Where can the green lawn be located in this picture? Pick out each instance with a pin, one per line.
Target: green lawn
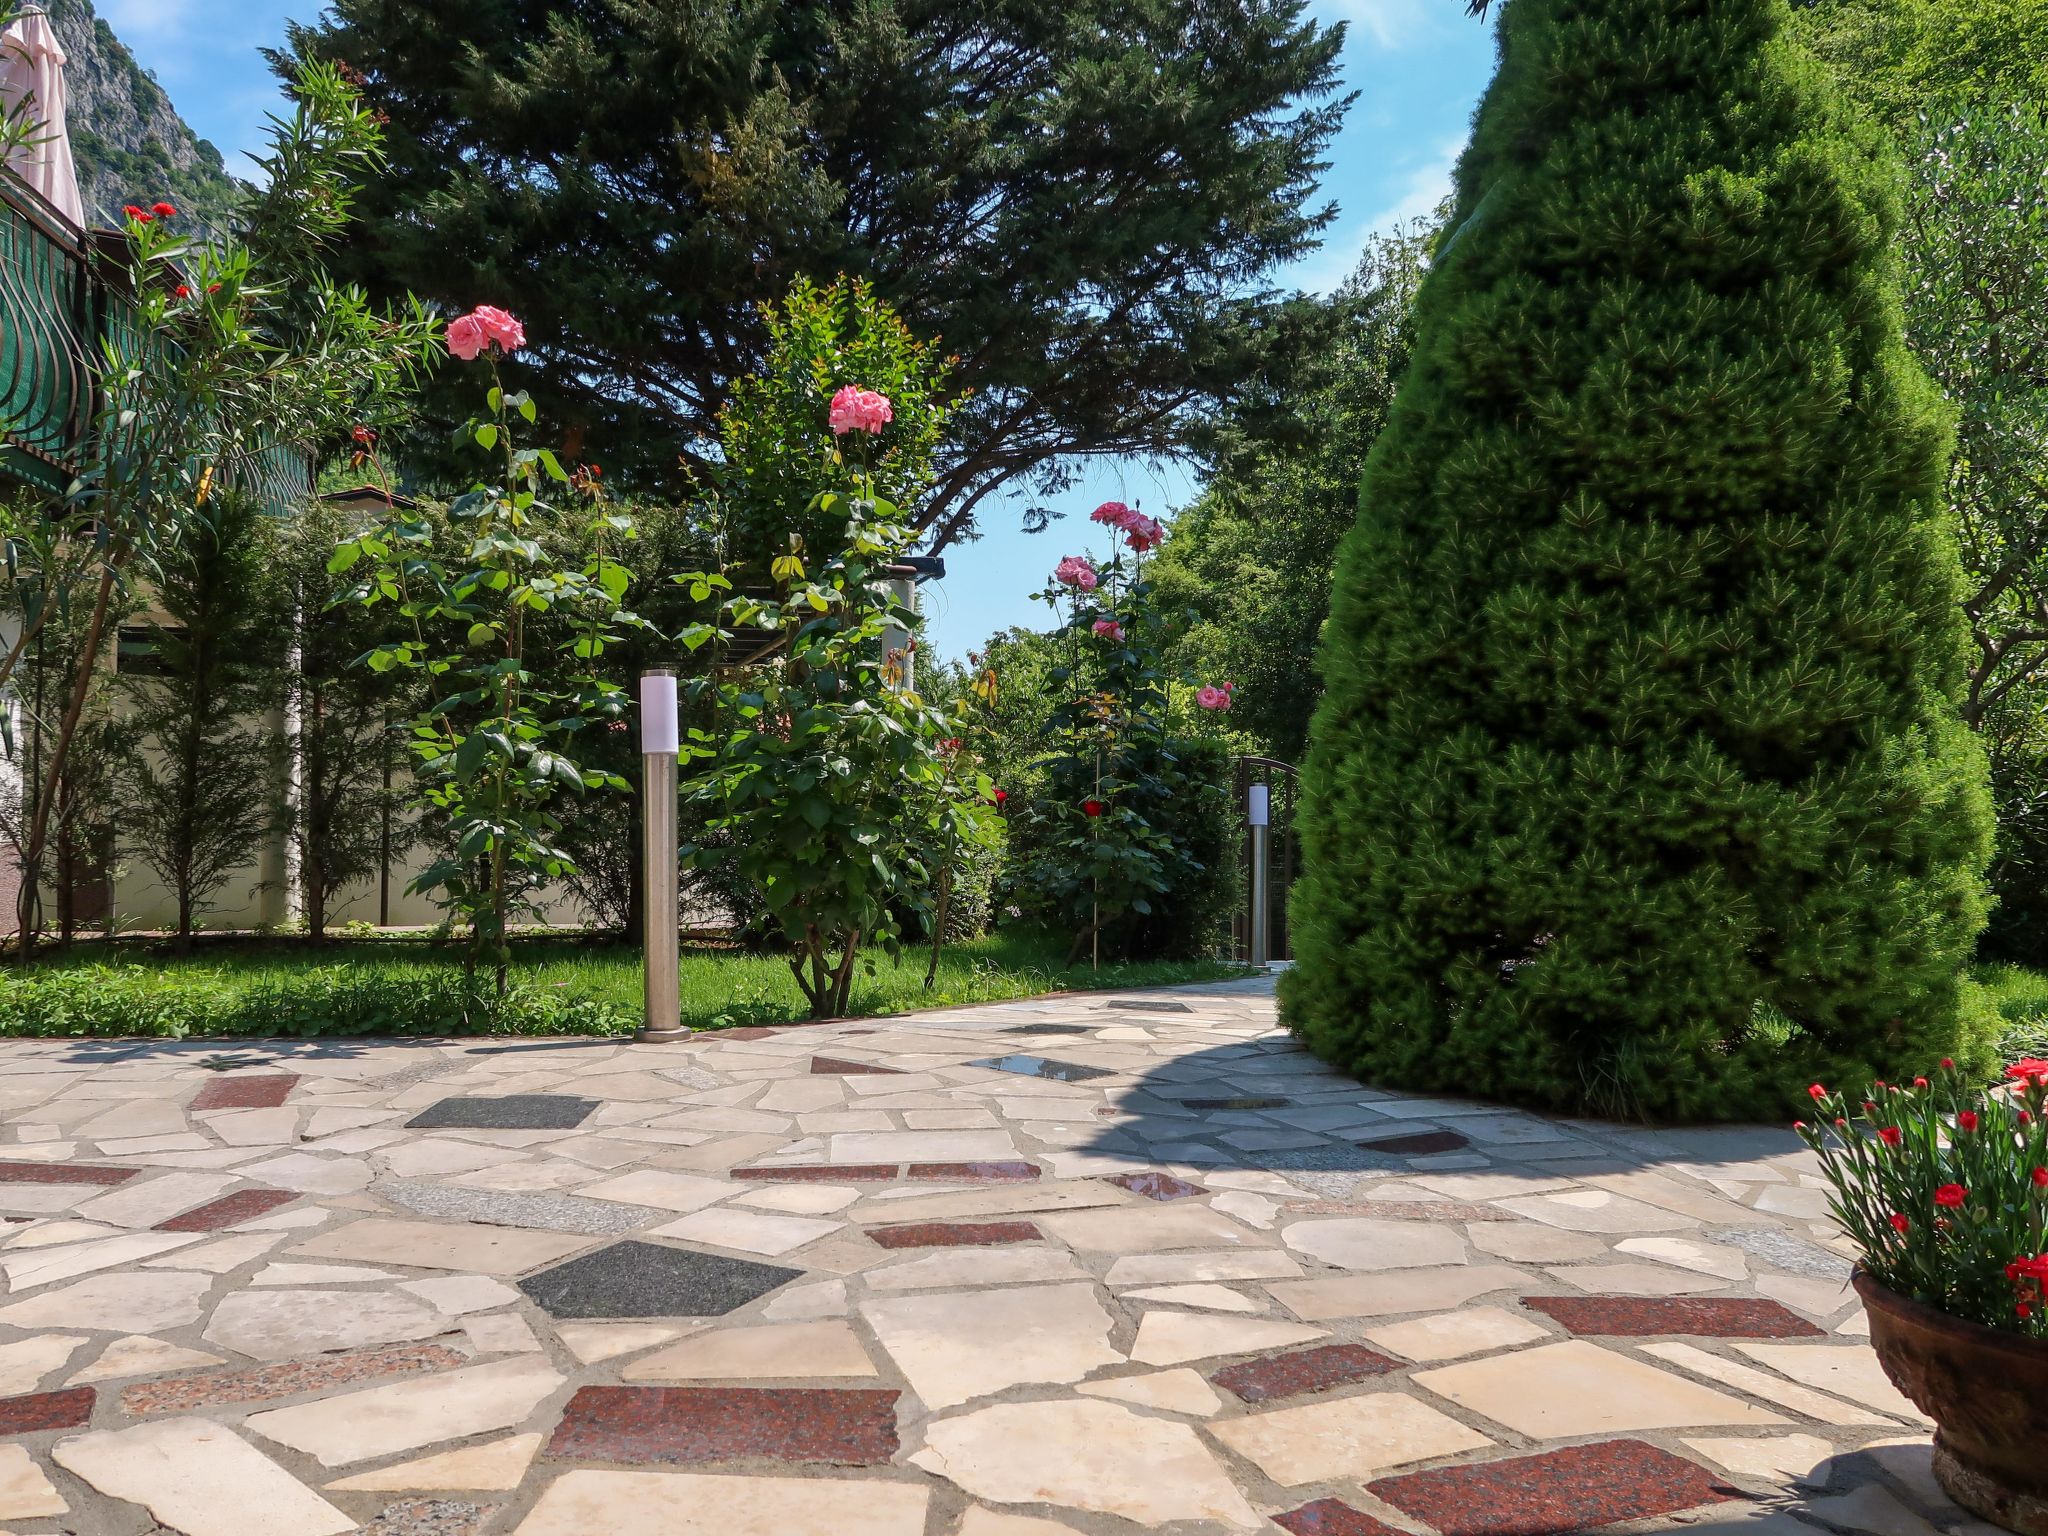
(414, 986)
(2021, 996)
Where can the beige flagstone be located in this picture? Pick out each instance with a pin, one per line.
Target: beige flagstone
(994, 1200)
(29, 1268)
(954, 1348)
(496, 1464)
(25, 1494)
(1090, 1456)
(950, 1267)
(1360, 1242)
(760, 1232)
(1801, 1459)
(1411, 1290)
(135, 1302)
(777, 1351)
(25, 1362)
(663, 1190)
(462, 1245)
(457, 1295)
(1578, 1388)
(1176, 1268)
(1177, 1391)
(1763, 1384)
(592, 1342)
(140, 1355)
(201, 1479)
(1213, 1298)
(993, 1522)
(282, 1324)
(222, 1257)
(1148, 1229)
(585, 1503)
(1637, 1279)
(405, 1415)
(1597, 1210)
(1346, 1437)
(1847, 1370)
(1169, 1338)
(1453, 1335)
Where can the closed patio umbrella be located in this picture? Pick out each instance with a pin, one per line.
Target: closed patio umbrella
(32, 71)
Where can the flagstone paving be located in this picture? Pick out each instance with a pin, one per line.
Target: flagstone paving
(908, 1277)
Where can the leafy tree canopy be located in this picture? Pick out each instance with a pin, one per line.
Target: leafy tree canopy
(1081, 199)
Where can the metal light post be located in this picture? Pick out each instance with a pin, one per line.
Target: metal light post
(1259, 812)
(660, 742)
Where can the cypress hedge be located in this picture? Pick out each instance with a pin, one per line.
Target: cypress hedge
(1638, 786)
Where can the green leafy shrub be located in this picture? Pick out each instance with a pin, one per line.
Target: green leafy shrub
(1640, 722)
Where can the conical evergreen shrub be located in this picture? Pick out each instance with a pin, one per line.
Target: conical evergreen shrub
(1638, 786)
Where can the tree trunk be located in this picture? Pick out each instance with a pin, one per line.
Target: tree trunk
(74, 707)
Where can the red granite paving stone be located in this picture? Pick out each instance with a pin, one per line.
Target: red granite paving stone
(262, 1092)
(822, 1173)
(1556, 1492)
(45, 1410)
(287, 1378)
(833, 1066)
(1701, 1316)
(955, 1234)
(974, 1173)
(680, 1425)
(229, 1210)
(1305, 1370)
(1155, 1186)
(63, 1173)
(1333, 1517)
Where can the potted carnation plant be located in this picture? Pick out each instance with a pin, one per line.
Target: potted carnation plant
(1943, 1185)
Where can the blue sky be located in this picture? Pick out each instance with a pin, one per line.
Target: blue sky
(1418, 66)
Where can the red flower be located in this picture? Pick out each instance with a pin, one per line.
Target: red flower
(213, 287)
(1967, 1120)
(367, 436)
(1092, 807)
(1919, 1082)
(1951, 1196)
(1817, 1092)
(1890, 1136)
(1899, 1223)
(134, 212)
(2028, 1069)
(163, 210)
(1002, 797)
(2041, 1178)
(1947, 1064)
(181, 292)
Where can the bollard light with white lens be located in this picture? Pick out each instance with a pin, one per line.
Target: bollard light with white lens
(1259, 814)
(660, 743)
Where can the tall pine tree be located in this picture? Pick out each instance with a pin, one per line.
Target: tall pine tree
(1638, 785)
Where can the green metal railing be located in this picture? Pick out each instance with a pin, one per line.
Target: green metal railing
(63, 295)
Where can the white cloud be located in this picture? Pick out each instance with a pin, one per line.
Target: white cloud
(1389, 24)
(131, 19)
(1425, 186)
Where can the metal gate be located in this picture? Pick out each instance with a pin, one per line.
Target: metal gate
(1264, 788)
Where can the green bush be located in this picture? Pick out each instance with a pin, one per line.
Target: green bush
(340, 1000)
(1638, 785)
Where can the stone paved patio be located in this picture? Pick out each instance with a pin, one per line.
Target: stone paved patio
(1101, 1264)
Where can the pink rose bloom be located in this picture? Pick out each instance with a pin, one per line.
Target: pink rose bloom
(860, 410)
(500, 327)
(467, 337)
(1212, 698)
(1145, 533)
(1112, 513)
(1075, 571)
(1109, 628)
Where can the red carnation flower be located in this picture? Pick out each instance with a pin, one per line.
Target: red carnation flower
(1951, 1196)
(1899, 1223)
(1919, 1082)
(163, 210)
(181, 292)
(2041, 1178)
(1816, 1091)
(1947, 1064)
(1967, 1120)
(133, 212)
(1890, 1136)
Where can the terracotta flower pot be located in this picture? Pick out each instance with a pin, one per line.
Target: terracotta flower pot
(1987, 1393)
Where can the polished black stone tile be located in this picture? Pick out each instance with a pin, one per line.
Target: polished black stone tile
(1418, 1143)
(1047, 1029)
(634, 1279)
(1140, 1005)
(1039, 1066)
(513, 1112)
(1235, 1103)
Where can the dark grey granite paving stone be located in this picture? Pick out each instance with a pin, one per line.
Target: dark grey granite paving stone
(512, 1112)
(1139, 1005)
(509, 1208)
(1039, 1066)
(1781, 1250)
(1235, 1103)
(1047, 1029)
(1418, 1143)
(633, 1279)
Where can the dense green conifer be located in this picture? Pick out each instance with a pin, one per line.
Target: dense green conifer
(1638, 785)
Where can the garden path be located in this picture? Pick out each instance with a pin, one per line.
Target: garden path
(1101, 1264)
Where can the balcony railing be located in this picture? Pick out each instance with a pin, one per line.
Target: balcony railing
(63, 293)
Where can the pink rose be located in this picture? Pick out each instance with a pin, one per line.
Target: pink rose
(1212, 698)
(1145, 533)
(1075, 571)
(1112, 513)
(500, 327)
(860, 410)
(467, 337)
(1110, 629)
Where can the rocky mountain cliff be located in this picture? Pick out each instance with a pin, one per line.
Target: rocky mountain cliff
(130, 143)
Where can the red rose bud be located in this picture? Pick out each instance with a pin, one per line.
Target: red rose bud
(1817, 1092)
(1092, 807)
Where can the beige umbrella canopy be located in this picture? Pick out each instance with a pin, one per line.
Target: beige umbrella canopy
(32, 77)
